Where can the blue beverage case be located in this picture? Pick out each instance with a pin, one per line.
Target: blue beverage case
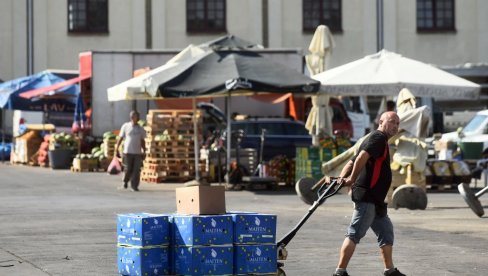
(192, 230)
(135, 261)
(143, 229)
(204, 260)
(255, 259)
(254, 228)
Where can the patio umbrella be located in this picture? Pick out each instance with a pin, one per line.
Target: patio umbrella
(320, 117)
(220, 72)
(386, 73)
(223, 69)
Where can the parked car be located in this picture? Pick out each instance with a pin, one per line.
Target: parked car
(340, 120)
(476, 130)
(283, 135)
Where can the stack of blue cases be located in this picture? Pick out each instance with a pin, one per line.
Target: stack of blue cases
(143, 244)
(254, 244)
(202, 244)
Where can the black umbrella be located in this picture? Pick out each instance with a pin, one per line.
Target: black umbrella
(218, 72)
(230, 42)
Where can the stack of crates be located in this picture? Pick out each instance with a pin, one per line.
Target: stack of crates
(309, 161)
(108, 146)
(143, 244)
(254, 244)
(202, 245)
(169, 145)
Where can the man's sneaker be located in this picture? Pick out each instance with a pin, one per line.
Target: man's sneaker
(342, 273)
(395, 272)
(122, 187)
(134, 189)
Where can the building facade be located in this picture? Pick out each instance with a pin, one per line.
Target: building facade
(50, 34)
(441, 32)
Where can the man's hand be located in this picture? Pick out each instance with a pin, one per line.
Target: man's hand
(345, 181)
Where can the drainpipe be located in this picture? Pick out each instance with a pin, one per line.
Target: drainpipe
(379, 25)
(265, 23)
(30, 37)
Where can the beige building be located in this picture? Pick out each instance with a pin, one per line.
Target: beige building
(441, 32)
(60, 29)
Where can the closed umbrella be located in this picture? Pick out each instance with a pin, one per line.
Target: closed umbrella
(405, 101)
(320, 118)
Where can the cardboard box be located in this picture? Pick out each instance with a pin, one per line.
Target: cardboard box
(204, 260)
(444, 145)
(142, 261)
(143, 229)
(254, 228)
(200, 200)
(202, 230)
(255, 259)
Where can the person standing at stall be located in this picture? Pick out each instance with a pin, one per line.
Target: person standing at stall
(134, 151)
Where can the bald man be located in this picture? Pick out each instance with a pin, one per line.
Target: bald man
(369, 176)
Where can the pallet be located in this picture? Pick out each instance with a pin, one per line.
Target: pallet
(74, 169)
(172, 143)
(169, 161)
(169, 167)
(171, 155)
(177, 174)
(172, 132)
(171, 150)
(166, 179)
(169, 112)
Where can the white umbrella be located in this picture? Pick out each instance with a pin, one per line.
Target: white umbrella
(145, 86)
(386, 73)
(320, 117)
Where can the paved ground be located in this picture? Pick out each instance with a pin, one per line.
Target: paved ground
(55, 222)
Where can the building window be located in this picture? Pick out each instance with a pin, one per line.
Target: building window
(88, 16)
(322, 12)
(435, 15)
(205, 16)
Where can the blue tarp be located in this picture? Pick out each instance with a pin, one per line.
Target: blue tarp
(62, 100)
(5, 149)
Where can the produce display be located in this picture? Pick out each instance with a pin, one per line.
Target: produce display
(309, 160)
(63, 140)
(43, 157)
(108, 146)
(282, 168)
(99, 158)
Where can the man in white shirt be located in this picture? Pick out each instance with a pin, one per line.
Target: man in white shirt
(134, 151)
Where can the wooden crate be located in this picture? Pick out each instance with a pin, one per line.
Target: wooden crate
(84, 165)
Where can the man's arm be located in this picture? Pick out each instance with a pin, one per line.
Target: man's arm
(143, 145)
(119, 141)
(117, 145)
(358, 165)
(346, 171)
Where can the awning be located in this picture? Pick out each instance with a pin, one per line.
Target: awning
(41, 91)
